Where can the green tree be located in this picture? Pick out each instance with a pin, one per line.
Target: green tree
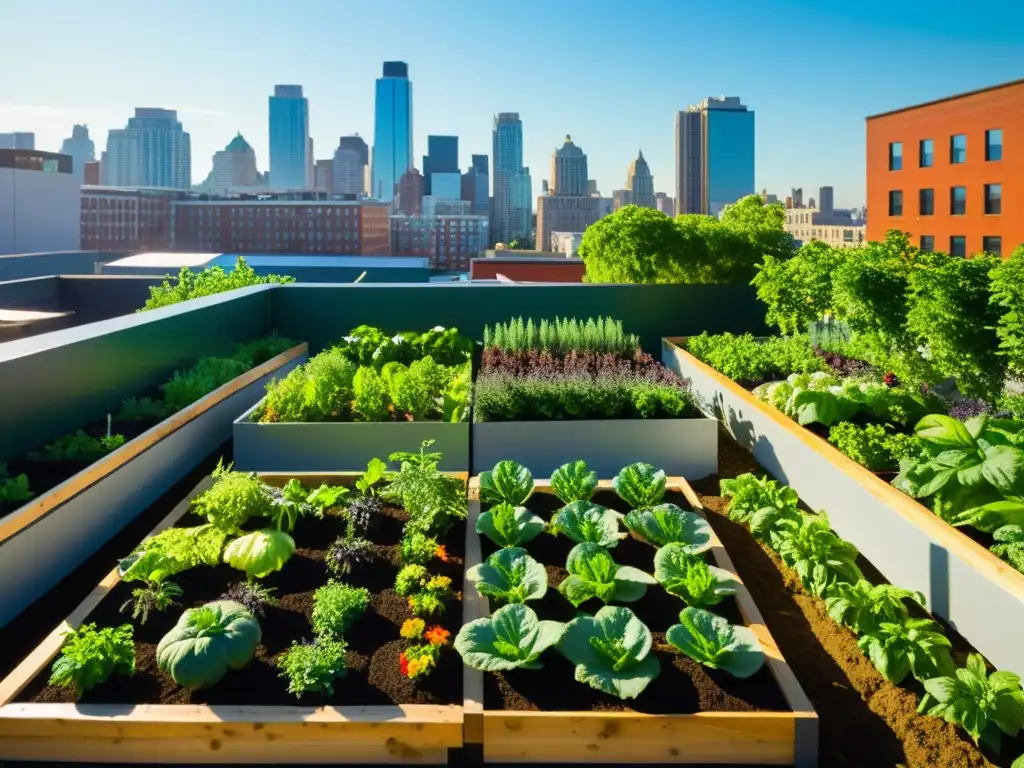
(798, 291)
(193, 285)
(1008, 295)
(633, 245)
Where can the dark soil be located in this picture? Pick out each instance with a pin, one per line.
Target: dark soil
(44, 475)
(864, 720)
(374, 644)
(683, 687)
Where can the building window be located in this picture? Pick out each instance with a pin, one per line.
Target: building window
(927, 243)
(926, 202)
(958, 201)
(895, 202)
(993, 245)
(958, 149)
(994, 144)
(895, 156)
(993, 198)
(927, 153)
(958, 246)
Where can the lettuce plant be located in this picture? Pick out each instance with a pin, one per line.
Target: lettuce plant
(973, 470)
(172, 551)
(584, 521)
(593, 573)
(511, 576)
(773, 524)
(260, 553)
(863, 607)
(714, 642)
(910, 646)
(313, 667)
(986, 706)
(640, 485)
(509, 526)
(1009, 545)
(820, 558)
(611, 651)
(688, 577)
(288, 504)
(668, 524)
(749, 493)
(573, 482)
(89, 656)
(234, 498)
(509, 482)
(512, 638)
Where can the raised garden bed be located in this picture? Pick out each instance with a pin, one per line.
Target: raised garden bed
(963, 582)
(374, 714)
(584, 388)
(84, 504)
(688, 714)
(368, 396)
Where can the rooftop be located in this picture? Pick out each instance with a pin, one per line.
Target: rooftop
(954, 97)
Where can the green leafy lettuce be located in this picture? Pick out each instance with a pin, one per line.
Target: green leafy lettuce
(260, 553)
(640, 485)
(509, 526)
(714, 642)
(863, 607)
(688, 577)
(749, 493)
(511, 576)
(584, 521)
(910, 646)
(511, 638)
(820, 558)
(593, 573)
(574, 482)
(611, 651)
(668, 524)
(509, 482)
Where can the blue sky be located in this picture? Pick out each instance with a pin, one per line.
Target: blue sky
(610, 73)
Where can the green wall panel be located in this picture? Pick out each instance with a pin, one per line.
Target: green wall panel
(321, 314)
(58, 382)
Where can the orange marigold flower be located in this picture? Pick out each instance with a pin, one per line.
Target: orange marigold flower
(441, 553)
(413, 668)
(437, 635)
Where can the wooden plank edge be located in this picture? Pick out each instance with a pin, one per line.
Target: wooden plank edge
(474, 606)
(44, 653)
(957, 543)
(29, 513)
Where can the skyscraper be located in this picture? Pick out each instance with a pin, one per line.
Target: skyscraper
(81, 149)
(797, 193)
(640, 183)
(513, 209)
(714, 155)
(442, 157)
(569, 170)
(349, 166)
(476, 186)
(392, 130)
(234, 168)
(153, 151)
(291, 159)
(18, 140)
(569, 207)
(825, 200)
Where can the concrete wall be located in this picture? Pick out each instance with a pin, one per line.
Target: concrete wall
(38, 211)
(21, 265)
(100, 297)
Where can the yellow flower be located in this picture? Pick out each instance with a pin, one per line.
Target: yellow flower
(412, 629)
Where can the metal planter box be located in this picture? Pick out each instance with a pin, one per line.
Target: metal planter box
(977, 593)
(44, 540)
(684, 447)
(342, 446)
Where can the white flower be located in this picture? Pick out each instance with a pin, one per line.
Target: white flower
(438, 328)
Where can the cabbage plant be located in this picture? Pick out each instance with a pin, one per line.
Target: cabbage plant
(509, 526)
(640, 485)
(593, 573)
(668, 524)
(511, 638)
(260, 553)
(511, 576)
(509, 482)
(207, 642)
(574, 482)
(585, 521)
(688, 577)
(714, 642)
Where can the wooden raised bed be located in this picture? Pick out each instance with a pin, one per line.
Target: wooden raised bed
(49, 536)
(342, 446)
(195, 733)
(977, 593)
(686, 447)
(757, 738)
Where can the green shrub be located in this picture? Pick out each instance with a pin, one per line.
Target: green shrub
(188, 386)
(319, 390)
(194, 285)
(798, 291)
(749, 359)
(872, 445)
(336, 606)
(1008, 295)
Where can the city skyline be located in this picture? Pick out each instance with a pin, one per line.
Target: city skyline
(807, 83)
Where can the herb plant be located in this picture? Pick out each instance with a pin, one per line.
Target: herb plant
(1007, 284)
(749, 493)
(433, 500)
(909, 646)
(862, 606)
(611, 651)
(13, 490)
(752, 360)
(668, 524)
(417, 547)
(714, 642)
(593, 573)
(1009, 545)
(193, 285)
(252, 595)
(562, 335)
(585, 521)
(172, 551)
(510, 575)
(689, 578)
(326, 497)
(187, 386)
(511, 638)
(431, 596)
(89, 656)
(410, 579)
(288, 504)
(314, 667)
(234, 498)
(872, 445)
(820, 558)
(347, 555)
(984, 705)
(153, 596)
(336, 606)
(574, 482)
(78, 446)
(508, 483)
(260, 553)
(509, 526)
(207, 642)
(640, 485)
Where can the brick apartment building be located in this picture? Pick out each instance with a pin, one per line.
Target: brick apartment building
(950, 172)
(116, 219)
(449, 241)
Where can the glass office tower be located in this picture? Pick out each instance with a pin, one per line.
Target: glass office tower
(392, 133)
(291, 164)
